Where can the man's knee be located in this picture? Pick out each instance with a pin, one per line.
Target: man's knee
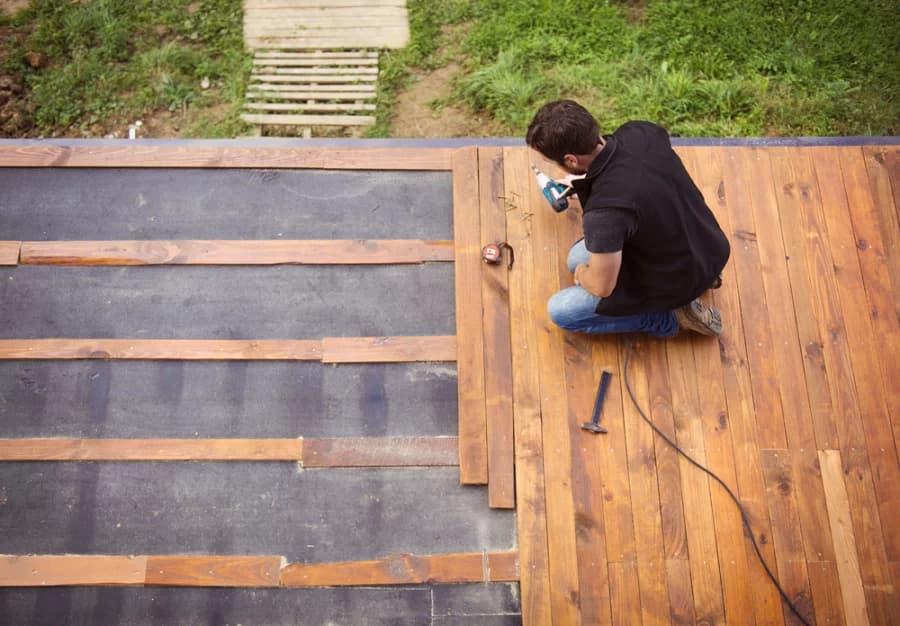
(559, 311)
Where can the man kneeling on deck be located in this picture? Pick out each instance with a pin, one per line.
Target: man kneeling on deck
(651, 246)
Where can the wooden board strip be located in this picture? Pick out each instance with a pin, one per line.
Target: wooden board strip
(380, 452)
(316, 72)
(309, 120)
(318, 107)
(370, 38)
(64, 570)
(30, 154)
(235, 252)
(163, 349)
(320, 79)
(213, 571)
(287, 92)
(151, 449)
(321, 4)
(9, 252)
(388, 349)
(473, 462)
(363, 90)
(495, 322)
(877, 161)
(531, 508)
(317, 54)
(503, 566)
(401, 569)
(260, 61)
(845, 544)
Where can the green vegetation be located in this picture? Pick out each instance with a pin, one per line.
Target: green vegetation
(108, 59)
(700, 68)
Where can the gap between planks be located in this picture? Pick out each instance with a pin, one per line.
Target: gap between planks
(342, 452)
(253, 570)
(327, 350)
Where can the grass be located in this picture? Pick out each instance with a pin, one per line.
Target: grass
(114, 60)
(700, 68)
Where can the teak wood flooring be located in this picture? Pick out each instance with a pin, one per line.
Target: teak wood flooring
(794, 407)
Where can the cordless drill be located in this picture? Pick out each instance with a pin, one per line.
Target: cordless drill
(556, 193)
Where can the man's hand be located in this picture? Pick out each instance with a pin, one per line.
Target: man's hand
(599, 275)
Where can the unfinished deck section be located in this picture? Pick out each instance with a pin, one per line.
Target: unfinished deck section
(316, 62)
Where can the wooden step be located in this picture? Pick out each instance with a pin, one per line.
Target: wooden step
(312, 79)
(318, 107)
(309, 120)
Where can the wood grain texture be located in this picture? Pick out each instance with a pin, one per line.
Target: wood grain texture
(151, 449)
(401, 569)
(388, 349)
(9, 252)
(470, 363)
(498, 374)
(185, 155)
(163, 349)
(232, 252)
(67, 570)
(878, 160)
(381, 452)
(503, 566)
(213, 571)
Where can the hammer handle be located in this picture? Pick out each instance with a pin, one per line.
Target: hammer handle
(601, 396)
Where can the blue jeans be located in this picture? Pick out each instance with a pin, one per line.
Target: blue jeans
(574, 309)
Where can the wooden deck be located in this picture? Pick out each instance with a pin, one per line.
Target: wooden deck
(795, 407)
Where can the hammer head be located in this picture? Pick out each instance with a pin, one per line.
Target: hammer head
(594, 428)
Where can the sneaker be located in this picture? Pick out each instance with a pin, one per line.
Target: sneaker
(699, 318)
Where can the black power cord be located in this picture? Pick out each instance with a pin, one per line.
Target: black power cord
(747, 528)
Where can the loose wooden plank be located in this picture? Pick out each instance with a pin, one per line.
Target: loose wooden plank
(473, 461)
(388, 349)
(531, 507)
(235, 252)
(163, 349)
(380, 452)
(309, 120)
(65, 570)
(401, 569)
(151, 449)
(9, 252)
(495, 323)
(845, 544)
(213, 571)
(543, 264)
(31, 154)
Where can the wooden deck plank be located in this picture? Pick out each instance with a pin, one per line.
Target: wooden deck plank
(151, 449)
(473, 462)
(883, 195)
(380, 452)
(163, 349)
(623, 583)
(495, 322)
(388, 349)
(368, 38)
(235, 252)
(275, 4)
(315, 108)
(181, 156)
(213, 571)
(65, 570)
(531, 521)
(308, 120)
(9, 252)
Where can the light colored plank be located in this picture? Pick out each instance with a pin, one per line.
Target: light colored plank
(381, 452)
(307, 96)
(29, 154)
(401, 569)
(163, 349)
(65, 570)
(323, 4)
(314, 72)
(369, 38)
(360, 90)
(531, 507)
(309, 120)
(323, 55)
(318, 79)
(495, 322)
(388, 349)
(151, 449)
(473, 449)
(845, 544)
(9, 252)
(279, 23)
(213, 571)
(318, 108)
(235, 252)
(319, 61)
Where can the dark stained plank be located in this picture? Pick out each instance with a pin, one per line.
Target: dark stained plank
(64, 570)
(878, 160)
(495, 322)
(180, 156)
(9, 252)
(163, 349)
(151, 449)
(681, 598)
(380, 452)
(388, 349)
(826, 589)
(401, 569)
(235, 252)
(473, 451)
(213, 571)
(531, 506)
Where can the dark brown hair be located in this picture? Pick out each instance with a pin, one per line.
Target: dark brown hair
(563, 127)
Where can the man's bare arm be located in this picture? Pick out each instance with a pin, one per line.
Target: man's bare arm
(600, 274)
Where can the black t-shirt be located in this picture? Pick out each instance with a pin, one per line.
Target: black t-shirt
(638, 198)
